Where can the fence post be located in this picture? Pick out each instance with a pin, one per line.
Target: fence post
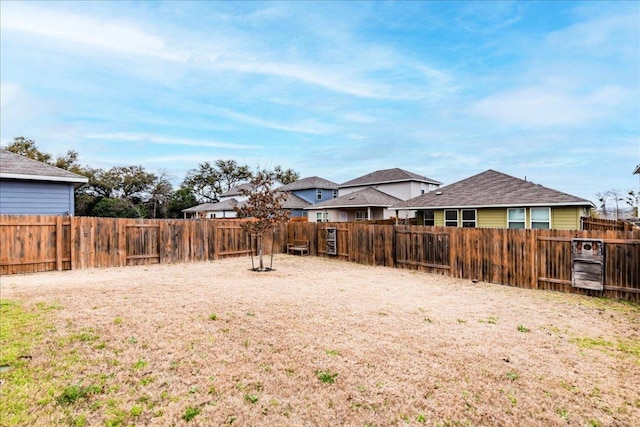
(59, 243)
(72, 242)
(122, 242)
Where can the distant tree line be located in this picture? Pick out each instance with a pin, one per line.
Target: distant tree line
(134, 192)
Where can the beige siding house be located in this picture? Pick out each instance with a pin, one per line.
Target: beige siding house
(493, 199)
(370, 196)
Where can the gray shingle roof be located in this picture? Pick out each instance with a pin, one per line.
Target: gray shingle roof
(362, 198)
(386, 176)
(492, 188)
(237, 190)
(295, 202)
(15, 166)
(311, 182)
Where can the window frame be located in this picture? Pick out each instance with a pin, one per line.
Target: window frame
(447, 222)
(523, 221)
(319, 194)
(532, 221)
(433, 219)
(364, 215)
(464, 221)
(335, 193)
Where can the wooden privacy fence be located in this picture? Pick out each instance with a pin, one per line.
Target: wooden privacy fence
(601, 224)
(534, 259)
(43, 243)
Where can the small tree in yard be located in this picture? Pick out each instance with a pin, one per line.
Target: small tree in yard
(264, 205)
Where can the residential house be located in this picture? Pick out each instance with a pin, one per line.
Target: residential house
(366, 204)
(493, 199)
(310, 190)
(30, 187)
(356, 201)
(223, 208)
(295, 205)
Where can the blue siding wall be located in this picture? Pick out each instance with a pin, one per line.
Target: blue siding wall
(310, 195)
(35, 198)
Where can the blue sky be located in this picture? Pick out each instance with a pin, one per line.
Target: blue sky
(546, 90)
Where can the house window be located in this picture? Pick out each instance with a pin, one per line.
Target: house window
(469, 218)
(516, 218)
(322, 216)
(429, 218)
(319, 194)
(450, 218)
(362, 215)
(335, 193)
(541, 218)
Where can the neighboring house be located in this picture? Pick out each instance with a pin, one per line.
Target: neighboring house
(366, 204)
(396, 184)
(233, 198)
(223, 209)
(295, 205)
(493, 199)
(30, 187)
(312, 189)
(236, 193)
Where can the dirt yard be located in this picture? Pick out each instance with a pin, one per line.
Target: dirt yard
(316, 342)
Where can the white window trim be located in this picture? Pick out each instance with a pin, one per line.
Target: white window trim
(364, 215)
(475, 216)
(457, 217)
(524, 220)
(531, 221)
(319, 194)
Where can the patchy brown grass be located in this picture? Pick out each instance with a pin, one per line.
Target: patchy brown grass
(316, 342)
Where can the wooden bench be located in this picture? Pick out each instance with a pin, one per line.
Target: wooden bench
(301, 246)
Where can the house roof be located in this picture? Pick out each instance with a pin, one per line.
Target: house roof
(311, 182)
(492, 189)
(637, 170)
(237, 190)
(387, 176)
(367, 197)
(294, 202)
(15, 166)
(225, 205)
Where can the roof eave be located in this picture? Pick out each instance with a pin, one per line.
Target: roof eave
(426, 181)
(79, 179)
(509, 205)
(320, 208)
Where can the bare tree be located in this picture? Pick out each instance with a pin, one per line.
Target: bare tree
(264, 206)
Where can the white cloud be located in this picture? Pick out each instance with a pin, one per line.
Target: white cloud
(160, 139)
(9, 92)
(541, 106)
(308, 126)
(601, 36)
(113, 35)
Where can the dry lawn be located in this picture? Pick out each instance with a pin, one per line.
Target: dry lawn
(317, 342)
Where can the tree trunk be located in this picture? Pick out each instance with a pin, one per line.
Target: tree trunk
(260, 251)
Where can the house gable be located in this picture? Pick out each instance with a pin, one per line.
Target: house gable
(30, 187)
